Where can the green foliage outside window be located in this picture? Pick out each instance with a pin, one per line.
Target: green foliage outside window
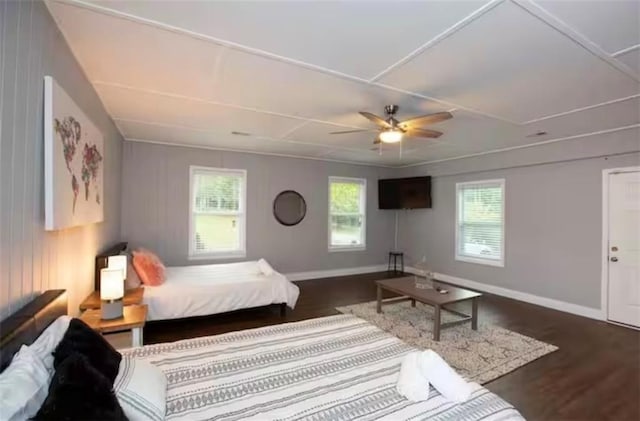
(218, 193)
(345, 197)
(346, 215)
(482, 205)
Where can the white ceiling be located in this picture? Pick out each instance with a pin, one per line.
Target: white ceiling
(288, 73)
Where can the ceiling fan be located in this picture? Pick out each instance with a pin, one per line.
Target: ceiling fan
(392, 130)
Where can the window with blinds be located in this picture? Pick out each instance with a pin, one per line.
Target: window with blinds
(218, 203)
(480, 222)
(347, 213)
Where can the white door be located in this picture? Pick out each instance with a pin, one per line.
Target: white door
(624, 248)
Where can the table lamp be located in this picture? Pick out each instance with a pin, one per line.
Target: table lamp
(118, 261)
(111, 293)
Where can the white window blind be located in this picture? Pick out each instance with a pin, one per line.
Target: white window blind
(347, 213)
(217, 223)
(480, 222)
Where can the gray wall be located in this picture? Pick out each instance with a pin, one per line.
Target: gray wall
(553, 196)
(32, 260)
(553, 215)
(155, 206)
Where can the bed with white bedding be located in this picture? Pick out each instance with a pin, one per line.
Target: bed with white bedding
(331, 368)
(200, 290)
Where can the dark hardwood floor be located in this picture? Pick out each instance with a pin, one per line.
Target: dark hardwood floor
(595, 375)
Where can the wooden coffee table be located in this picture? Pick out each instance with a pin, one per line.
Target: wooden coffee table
(406, 287)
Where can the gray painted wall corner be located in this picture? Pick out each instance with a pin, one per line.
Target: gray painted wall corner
(31, 259)
(553, 206)
(155, 206)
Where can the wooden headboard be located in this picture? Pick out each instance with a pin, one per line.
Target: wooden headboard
(102, 261)
(24, 326)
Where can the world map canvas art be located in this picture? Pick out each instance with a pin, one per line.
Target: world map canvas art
(73, 160)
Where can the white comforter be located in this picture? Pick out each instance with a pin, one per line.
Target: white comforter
(328, 369)
(210, 289)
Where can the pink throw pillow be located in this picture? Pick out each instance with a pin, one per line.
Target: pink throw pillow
(148, 267)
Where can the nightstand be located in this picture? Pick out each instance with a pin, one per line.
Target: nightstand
(133, 319)
(131, 297)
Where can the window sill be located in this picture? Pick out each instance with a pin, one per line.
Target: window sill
(347, 248)
(480, 261)
(221, 255)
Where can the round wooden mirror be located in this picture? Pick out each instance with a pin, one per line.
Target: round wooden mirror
(289, 208)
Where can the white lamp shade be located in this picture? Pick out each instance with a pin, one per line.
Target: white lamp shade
(111, 284)
(118, 262)
(391, 136)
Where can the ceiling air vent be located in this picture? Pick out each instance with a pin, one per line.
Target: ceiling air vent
(536, 134)
(241, 133)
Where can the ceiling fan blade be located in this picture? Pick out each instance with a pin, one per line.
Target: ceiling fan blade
(378, 120)
(351, 131)
(377, 141)
(432, 134)
(426, 119)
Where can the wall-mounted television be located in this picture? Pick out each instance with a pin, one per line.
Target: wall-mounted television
(404, 193)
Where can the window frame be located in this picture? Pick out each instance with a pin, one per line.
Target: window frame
(363, 207)
(241, 252)
(500, 182)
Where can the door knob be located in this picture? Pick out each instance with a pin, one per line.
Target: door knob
(614, 259)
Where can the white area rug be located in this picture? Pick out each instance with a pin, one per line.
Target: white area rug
(480, 356)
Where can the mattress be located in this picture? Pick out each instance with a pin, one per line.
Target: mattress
(331, 368)
(201, 290)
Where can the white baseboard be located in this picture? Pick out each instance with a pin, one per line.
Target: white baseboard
(315, 274)
(592, 313)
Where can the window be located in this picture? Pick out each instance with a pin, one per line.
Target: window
(218, 203)
(347, 213)
(480, 222)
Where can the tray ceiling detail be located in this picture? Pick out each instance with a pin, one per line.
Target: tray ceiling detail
(285, 74)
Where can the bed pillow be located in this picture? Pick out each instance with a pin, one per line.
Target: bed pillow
(48, 340)
(149, 267)
(80, 338)
(80, 392)
(141, 389)
(150, 254)
(133, 280)
(265, 268)
(23, 386)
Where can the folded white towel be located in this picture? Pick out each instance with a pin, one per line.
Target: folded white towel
(444, 378)
(411, 383)
(419, 369)
(265, 267)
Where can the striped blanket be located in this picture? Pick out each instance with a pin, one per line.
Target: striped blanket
(331, 368)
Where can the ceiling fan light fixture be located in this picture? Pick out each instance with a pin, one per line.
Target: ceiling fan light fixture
(391, 136)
